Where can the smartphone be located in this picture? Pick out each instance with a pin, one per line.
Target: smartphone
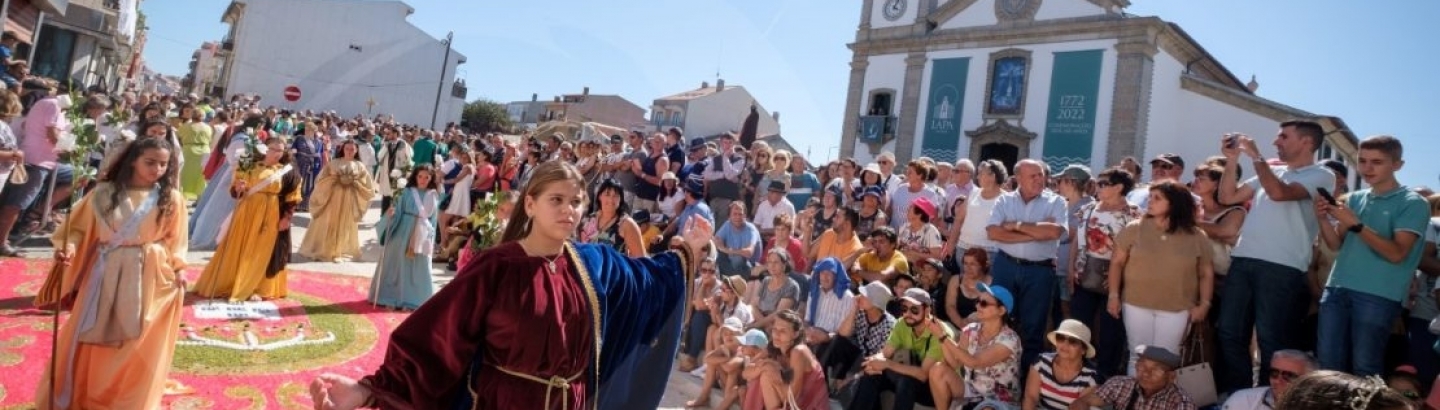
(1324, 193)
(1230, 140)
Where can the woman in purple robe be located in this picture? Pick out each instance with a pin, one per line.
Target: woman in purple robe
(522, 325)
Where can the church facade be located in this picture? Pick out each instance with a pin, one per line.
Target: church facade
(1067, 81)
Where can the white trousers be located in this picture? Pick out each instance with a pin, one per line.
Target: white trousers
(1153, 327)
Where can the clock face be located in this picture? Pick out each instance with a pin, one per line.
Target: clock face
(894, 9)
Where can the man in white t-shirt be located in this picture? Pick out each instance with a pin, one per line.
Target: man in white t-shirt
(774, 205)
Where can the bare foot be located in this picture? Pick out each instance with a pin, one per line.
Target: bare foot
(702, 401)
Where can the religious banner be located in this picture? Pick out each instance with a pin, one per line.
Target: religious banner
(1070, 124)
(943, 107)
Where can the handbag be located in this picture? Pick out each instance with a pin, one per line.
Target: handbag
(1196, 377)
(1220, 251)
(1095, 275)
(18, 176)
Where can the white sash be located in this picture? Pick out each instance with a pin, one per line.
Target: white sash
(273, 178)
(422, 238)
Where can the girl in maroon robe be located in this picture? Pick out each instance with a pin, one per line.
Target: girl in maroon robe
(521, 326)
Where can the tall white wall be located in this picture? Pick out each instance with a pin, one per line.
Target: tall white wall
(398, 64)
(723, 112)
(1066, 9)
(1191, 124)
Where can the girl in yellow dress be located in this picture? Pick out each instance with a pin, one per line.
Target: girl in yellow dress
(239, 268)
(122, 250)
(341, 196)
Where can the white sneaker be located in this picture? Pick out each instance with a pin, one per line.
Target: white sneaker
(698, 372)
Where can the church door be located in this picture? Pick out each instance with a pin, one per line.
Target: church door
(1008, 154)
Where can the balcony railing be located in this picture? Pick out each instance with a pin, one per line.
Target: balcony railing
(875, 128)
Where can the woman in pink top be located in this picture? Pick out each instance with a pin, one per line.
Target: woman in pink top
(798, 382)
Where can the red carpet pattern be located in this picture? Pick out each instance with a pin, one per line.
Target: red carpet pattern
(256, 356)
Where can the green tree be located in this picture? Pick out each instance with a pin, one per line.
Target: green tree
(485, 116)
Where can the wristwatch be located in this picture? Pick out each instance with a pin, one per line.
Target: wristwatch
(1357, 227)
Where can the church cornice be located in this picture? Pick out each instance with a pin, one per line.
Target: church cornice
(1142, 34)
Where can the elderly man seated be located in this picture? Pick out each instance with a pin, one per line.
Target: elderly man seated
(1152, 388)
(1285, 367)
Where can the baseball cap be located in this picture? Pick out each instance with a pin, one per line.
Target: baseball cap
(733, 323)
(1159, 355)
(754, 337)
(1076, 172)
(1169, 158)
(878, 293)
(917, 296)
(1000, 293)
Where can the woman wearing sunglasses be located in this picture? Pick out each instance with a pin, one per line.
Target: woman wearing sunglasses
(989, 353)
(1060, 377)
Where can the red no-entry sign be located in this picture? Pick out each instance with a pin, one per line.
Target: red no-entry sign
(292, 93)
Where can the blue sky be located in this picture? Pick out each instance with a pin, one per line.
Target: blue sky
(1361, 61)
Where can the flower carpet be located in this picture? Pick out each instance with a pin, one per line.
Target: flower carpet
(252, 355)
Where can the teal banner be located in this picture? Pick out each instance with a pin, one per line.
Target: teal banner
(943, 108)
(1070, 124)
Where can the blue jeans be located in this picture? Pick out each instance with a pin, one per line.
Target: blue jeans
(1267, 297)
(1034, 290)
(1354, 329)
(695, 333)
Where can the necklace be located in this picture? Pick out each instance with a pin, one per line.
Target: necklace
(549, 262)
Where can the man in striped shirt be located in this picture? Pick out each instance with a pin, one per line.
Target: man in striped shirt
(830, 301)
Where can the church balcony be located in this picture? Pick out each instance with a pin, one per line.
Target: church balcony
(876, 128)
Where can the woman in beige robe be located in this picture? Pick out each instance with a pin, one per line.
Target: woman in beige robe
(123, 276)
(341, 196)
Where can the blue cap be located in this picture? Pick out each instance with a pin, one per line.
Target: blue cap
(754, 337)
(1000, 293)
(874, 190)
(695, 184)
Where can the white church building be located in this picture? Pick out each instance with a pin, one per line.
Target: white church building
(1067, 81)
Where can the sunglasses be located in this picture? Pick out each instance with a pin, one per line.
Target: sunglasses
(1066, 339)
(707, 270)
(914, 310)
(1162, 165)
(1283, 375)
(985, 303)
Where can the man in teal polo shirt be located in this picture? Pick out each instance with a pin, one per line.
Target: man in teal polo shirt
(1378, 232)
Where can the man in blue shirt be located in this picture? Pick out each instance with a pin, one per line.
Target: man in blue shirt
(1378, 232)
(694, 205)
(738, 243)
(1027, 226)
(8, 41)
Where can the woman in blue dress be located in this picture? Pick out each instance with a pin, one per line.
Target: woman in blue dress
(407, 231)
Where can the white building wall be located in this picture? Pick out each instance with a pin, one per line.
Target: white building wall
(1191, 124)
(884, 71)
(979, 14)
(1037, 94)
(1066, 9)
(398, 64)
(723, 112)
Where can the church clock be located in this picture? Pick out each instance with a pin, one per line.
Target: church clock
(894, 9)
